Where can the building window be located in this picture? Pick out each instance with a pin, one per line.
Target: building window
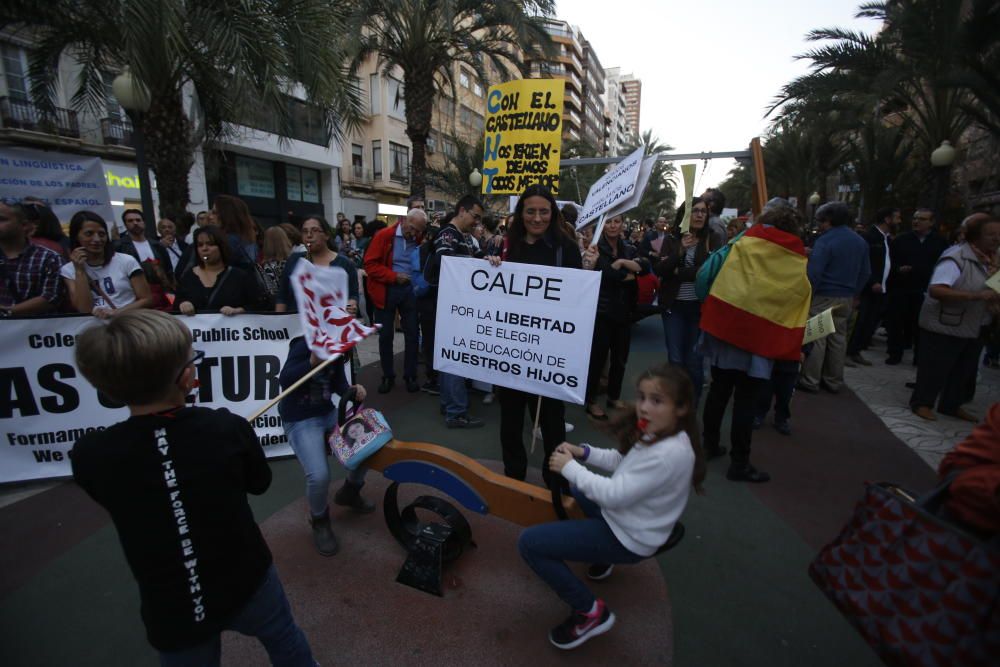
(477, 89)
(463, 78)
(357, 160)
(470, 118)
(377, 159)
(399, 165)
(254, 178)
(302, 184)
(375, 94)
(448, 148)
(396, 102)
(15, 67)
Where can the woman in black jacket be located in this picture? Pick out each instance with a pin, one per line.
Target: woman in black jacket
(616, 260)
(681, 255)
(535, 237)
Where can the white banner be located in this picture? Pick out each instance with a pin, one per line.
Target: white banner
(612, 188)
(46, 404)
(67, 183)
(521, 326)
(641, 183)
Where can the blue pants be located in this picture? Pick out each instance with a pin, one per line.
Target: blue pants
(547, 547)
(454, 395)
(681, 330)
(309, 444)
(401, 298)
(266, 616)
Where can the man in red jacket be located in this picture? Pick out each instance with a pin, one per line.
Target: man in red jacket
(388, 263)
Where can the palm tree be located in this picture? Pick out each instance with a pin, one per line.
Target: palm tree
(452, 176)
(203, 64)
(660, 193)
(427, 39)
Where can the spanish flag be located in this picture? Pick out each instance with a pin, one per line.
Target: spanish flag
(759, 301)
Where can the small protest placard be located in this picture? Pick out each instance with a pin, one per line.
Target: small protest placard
(523, 139)
(819, 326)
(994, 282)
(522, 326)
(611, 189)
(688, 174)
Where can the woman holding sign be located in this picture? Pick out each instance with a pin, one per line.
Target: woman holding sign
(681, 255)
(616, 302)
(534, 237)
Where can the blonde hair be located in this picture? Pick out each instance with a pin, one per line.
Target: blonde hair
(277, 245)
(136, 357)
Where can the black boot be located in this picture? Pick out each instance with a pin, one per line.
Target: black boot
(326, 541)
(349, 495)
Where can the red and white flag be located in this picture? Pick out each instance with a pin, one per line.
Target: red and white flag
(321, 294)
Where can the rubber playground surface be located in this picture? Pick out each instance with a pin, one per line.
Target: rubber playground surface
(735, 591)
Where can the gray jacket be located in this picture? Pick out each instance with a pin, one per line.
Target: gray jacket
(962, 319)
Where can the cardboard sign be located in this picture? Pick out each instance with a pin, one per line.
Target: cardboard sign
(521, 326)
(819, 326)
(641, 183)
(523, 137)
(611, 189)
(688, 172)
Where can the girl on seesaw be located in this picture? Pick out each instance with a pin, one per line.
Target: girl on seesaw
(629, 514)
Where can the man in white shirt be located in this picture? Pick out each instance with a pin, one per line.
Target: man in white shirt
(151, 255)
(872, 300)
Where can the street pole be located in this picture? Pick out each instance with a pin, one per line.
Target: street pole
(145, 191)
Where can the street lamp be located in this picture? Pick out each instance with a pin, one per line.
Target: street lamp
(475, 178)
(134, 98)
(941, 160)
(814, 200)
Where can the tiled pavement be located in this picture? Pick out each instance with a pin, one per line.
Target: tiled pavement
(883, 389)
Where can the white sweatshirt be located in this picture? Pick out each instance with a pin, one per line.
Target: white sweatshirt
(646, 493)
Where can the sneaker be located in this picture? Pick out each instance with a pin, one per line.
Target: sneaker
(859, 360)
(431, 387)
(580, 626)
(566, 425)
(599, 571)
(489, 398)
(464, 421)
(784, 428)
(411, 385)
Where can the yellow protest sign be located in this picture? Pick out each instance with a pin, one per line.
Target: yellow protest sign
(688, 172)
(523, 137)
(819, 326)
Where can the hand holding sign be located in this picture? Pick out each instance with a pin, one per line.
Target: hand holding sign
(819, 326)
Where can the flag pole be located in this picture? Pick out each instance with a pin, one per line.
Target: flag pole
(302, 380)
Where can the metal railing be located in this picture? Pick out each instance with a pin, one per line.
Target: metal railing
(116, 131)
(25, 115)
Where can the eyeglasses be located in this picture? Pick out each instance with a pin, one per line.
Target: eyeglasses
(193, 361)
(699, 211)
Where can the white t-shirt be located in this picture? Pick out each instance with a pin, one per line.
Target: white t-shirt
(144, 250)
(114, 279)
(946, 273)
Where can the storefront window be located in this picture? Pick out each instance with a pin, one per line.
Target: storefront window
(293, 178)
(254, 178)
(310, 186)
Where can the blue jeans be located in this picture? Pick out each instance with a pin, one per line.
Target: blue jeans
(309, 444)
(547, 547)
(266, 616)
(454, 395)
(681, 331)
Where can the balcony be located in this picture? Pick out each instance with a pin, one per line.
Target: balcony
(356, 175)
(306, 122)
(24, 115)
(116, 131)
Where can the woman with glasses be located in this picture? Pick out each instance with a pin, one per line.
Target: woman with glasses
(99, 280)
(213, 284)
(681, 255)
(318, 238)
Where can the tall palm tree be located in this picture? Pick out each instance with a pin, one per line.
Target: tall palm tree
(660, 193)
(203, 64)
(452, 176)
(427, 39)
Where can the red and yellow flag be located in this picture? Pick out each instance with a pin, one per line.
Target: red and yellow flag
(759, 302)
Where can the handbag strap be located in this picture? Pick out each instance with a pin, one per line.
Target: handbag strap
(932, 500)
(218, 283)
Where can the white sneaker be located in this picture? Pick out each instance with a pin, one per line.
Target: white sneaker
(569, 429)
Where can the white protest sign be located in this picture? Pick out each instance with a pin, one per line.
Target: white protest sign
(688, 173)
(67, 183)
(46, 404)
(641, 183)
(611, 188)
(819, 326)
(521, 326)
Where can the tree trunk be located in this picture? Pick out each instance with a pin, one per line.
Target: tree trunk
(419, 91)
(167, 131)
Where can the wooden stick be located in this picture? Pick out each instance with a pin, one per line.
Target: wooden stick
(534, 429)
(597, 231)
(302, 380)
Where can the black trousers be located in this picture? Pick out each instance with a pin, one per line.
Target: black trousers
(903, 315)
(744, 389)
(780, 387)
(870, 311)
(398, 298)
(947, 366)
(513, 405)
(426, 312)
(614, 338)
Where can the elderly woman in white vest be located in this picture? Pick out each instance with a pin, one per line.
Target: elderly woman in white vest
(958, 307)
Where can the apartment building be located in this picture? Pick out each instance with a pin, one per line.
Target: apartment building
(633, 100)
(618, 129)
(567, 64)
(593, 131)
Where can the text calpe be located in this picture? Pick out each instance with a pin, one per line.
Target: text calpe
(514, 285)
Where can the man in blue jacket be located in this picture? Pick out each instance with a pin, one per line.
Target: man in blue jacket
(838, 269)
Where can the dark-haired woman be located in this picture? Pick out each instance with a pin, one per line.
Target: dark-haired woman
(99, 280)
(535, 237)
(616, 302)
(681, 255)
(233, 216)
(46, 230)
(214, 284)
(318, 238)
